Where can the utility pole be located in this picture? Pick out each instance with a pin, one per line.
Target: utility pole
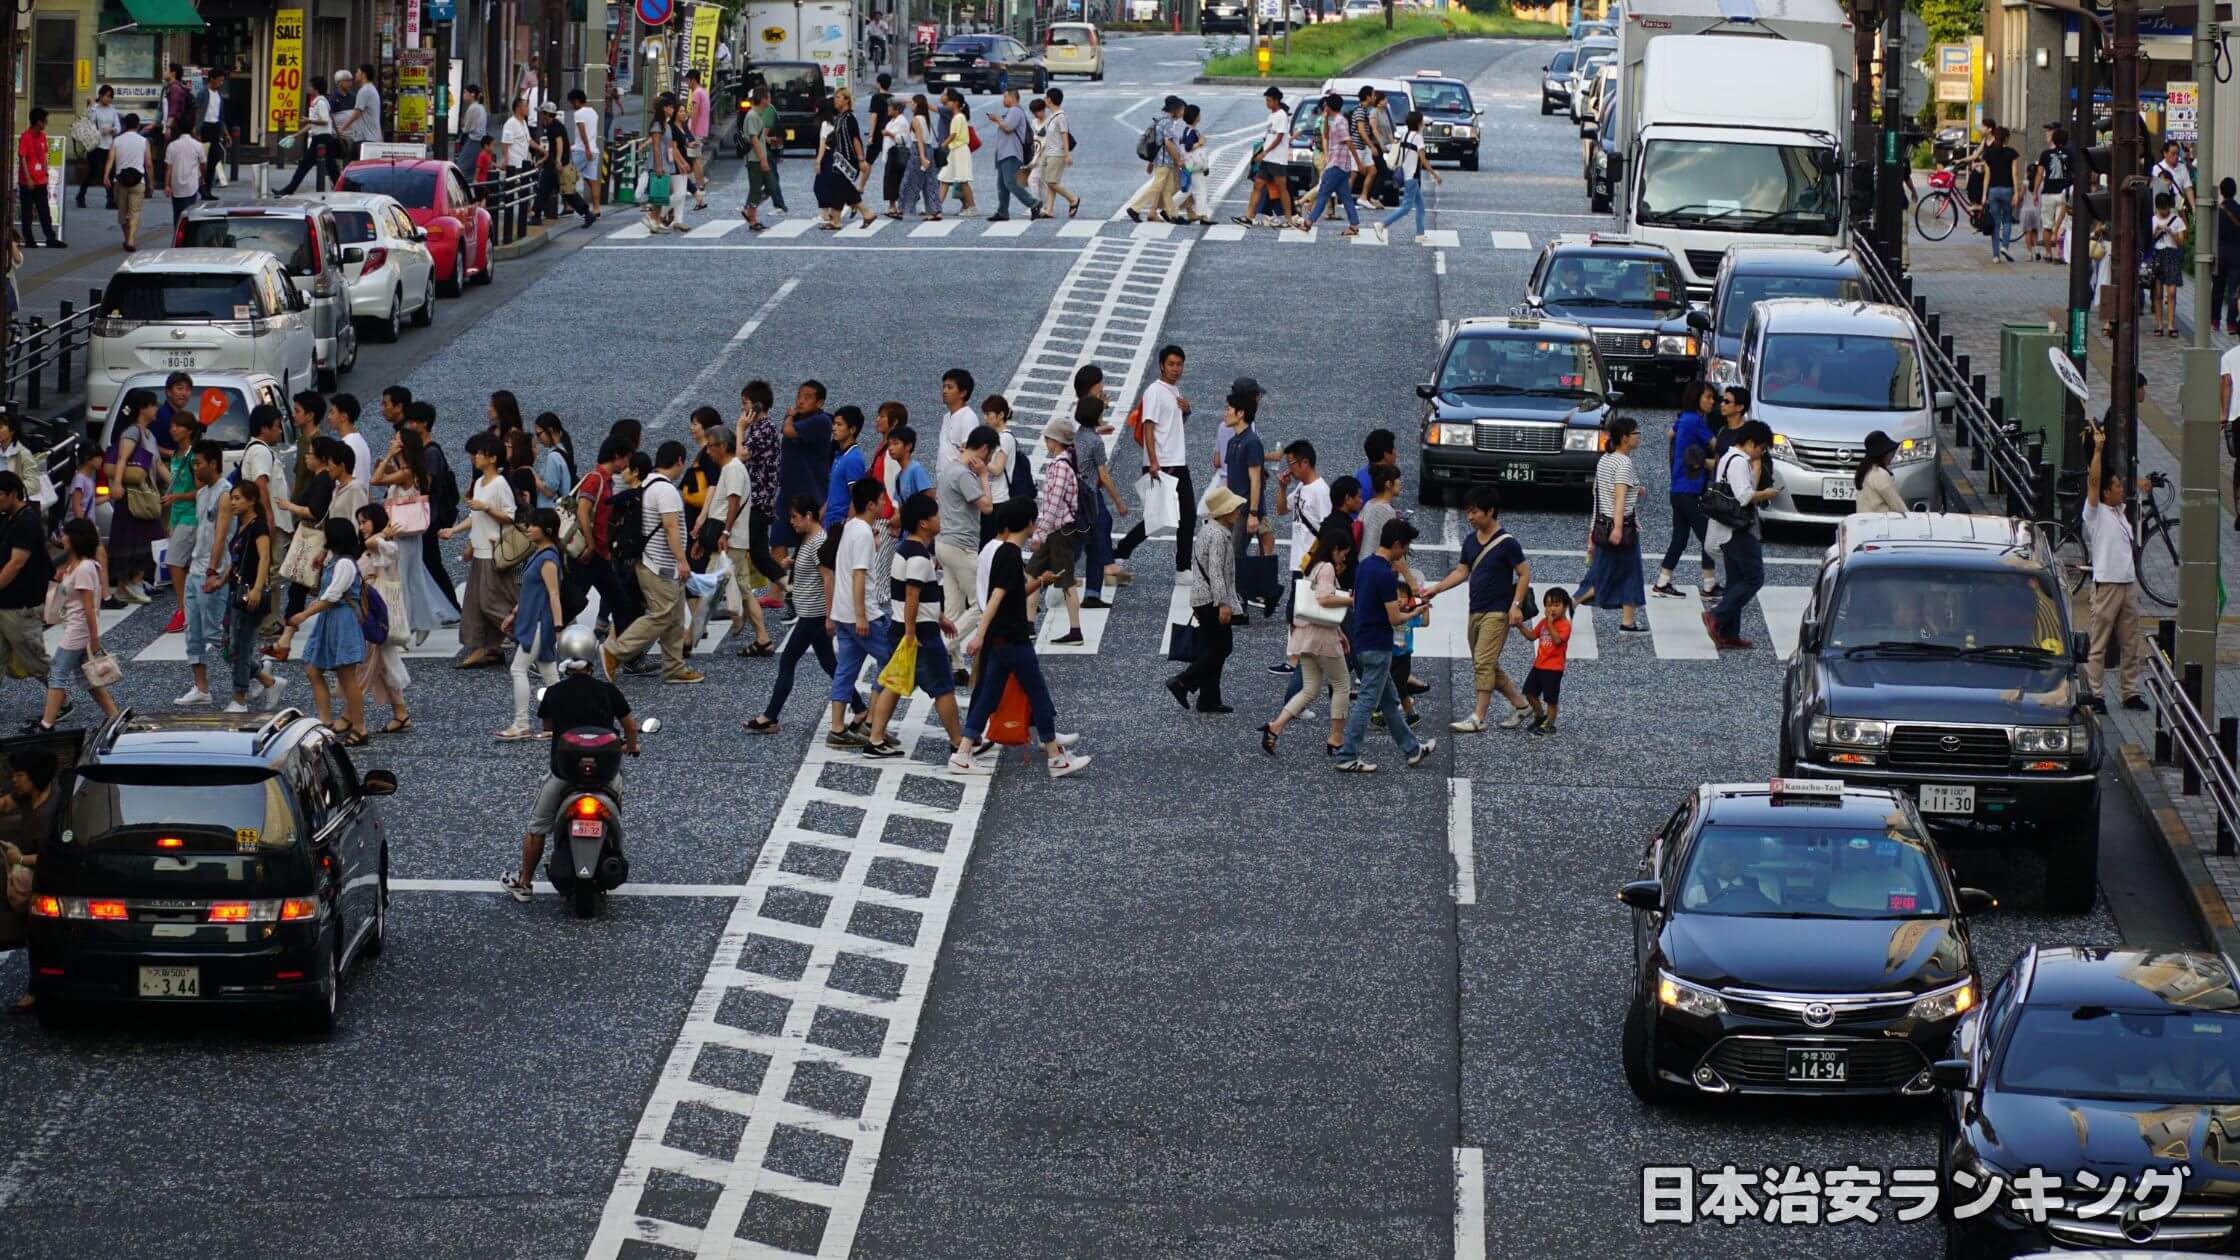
(2073, 455)
(1861, 170)
(1895, 170)
(10, 40)
(2200, 407)
(2125, 179)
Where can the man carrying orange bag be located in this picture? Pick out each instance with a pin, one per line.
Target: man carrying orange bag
(917, 659)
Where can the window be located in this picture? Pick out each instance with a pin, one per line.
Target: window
(54, 68)
(1858, 870)
(1747, 290)
(1518, 365)
(127, 57)
(1841, 372)
(285, 237)
(2168, 1057)
(1948, 610)
(355, 227)
(143, 296)
(1612, 280)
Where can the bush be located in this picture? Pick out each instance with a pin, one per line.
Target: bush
(1327, 48)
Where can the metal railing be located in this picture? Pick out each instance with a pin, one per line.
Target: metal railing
(2011, 460)
(36, 344)
(509, 197)
(2182, 736)
(623, 157)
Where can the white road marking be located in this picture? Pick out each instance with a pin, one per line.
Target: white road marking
(804, 987)
(1783, 607)
(1439, 338)
(1153, 231)
(1583, 644)
(1015, 227)
(1459, 842)
(1077, 229)
(1292, 236)
(1677, 627)
(1093, 622)
(938, 227)
(1439, 268)
(859, 229)
(1179, 612)
(110, 618)
(630, 232)
(690, 394)
(1510, 240)
(1469, 1203)
(545, 889)
(788, 228)
(1226, 232)
(713, 229)
(1441, 238)
(1369, 236)
(852, 249)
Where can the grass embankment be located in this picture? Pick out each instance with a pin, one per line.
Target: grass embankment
(1327, 48)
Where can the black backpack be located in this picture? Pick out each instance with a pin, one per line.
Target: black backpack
(1147, 144)
(627, 534)
(1085, 499)
(443, 492)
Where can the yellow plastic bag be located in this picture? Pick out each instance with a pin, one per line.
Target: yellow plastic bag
(901, 674)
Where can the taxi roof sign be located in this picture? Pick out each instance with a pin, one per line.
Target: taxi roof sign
(1822, 789)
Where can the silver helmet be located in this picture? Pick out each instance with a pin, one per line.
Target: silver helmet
(578, 648)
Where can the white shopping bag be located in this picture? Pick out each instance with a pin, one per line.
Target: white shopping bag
(1162, 503)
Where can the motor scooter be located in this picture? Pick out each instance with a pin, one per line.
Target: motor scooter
(585, 859)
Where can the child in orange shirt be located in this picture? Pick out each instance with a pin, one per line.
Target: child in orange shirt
(1552, 632)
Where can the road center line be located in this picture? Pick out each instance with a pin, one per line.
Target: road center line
(722, 357)
(1469, 1203)
(1459, 842)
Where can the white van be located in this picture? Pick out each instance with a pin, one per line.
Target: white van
(199, 310)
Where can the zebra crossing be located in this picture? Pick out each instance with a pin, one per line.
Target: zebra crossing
(728, 233)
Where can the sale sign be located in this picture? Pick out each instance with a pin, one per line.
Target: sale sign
(284, 91)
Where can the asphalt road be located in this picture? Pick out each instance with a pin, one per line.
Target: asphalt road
(1192, 1003)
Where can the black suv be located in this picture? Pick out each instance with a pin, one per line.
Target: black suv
(1937, 655)
(210, 859)
(2096, 1068)
(1512, 401)
(1631, 295)
(1450, 118)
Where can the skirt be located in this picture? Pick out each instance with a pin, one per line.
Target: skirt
(490, 599)
(1614, 576)
(425, 606)
(132, 543)
(335, 640)
(958, 169)
(836, 191)
(2169, 268)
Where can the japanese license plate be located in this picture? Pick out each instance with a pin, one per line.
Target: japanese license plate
(952, 78)
(170, 982)
(1620, 374)
(1945, 798)
(1839, 489)
(1819, 1067)
(178, 358)
(587, 827)
(1517, 472)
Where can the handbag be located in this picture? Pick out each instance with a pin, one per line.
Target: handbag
(1307, 609)
(1161, 499)
(1718, 502)
(102, 670)
(1009, 723)
(1182, 642)
(657, 190)
(901, 674)
(410, 513)
(511, 549)
(1256, 578)
(1630, 536)
(574, 543)
(140, 497)
(570, 180)
(307, 551)
(971, 140)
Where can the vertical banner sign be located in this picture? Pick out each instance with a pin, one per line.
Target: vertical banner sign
(700, 40)
(2181, 116)
(412, 23)
(284, 91)
(413, 76)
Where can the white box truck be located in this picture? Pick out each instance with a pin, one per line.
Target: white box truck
(818, 31)
(1730, 125)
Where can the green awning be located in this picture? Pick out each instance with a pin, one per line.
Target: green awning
(163, 17)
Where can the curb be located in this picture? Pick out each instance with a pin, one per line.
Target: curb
(521, 248)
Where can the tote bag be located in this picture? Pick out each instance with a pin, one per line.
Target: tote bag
(307, 551)
(1009, 724)
(410, 513)
(1161, 500)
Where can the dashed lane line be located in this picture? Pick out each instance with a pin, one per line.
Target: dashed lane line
(1459, 842)
(1469, 1203)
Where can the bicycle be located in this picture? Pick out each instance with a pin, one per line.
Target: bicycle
(2073, 552)
(1941, 208)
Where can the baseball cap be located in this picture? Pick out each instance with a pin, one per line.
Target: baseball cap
(1248, 386)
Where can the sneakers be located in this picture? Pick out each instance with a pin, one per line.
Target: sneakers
(684, 678)
(194, 696)
(514, 887)
(2137, 704)
(177, 623)
(1423, 750)
(884, 749)
(1545, 726)
(1066, 765)
(234, 706)
(1516, 718)
(1467, 726)
(846, 739)
(1356, 766)
(132, 595)
(959, 763)
(1283, 669)
(1069, 638)
(270, 698)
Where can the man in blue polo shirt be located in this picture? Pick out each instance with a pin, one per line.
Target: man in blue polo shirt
(1377, 608)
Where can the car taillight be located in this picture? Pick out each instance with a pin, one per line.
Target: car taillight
(108, 326)
(45, 906)
(297, 908)
(114, 911)
(170, 842)
(229, 912)
(179, 235)
(376, 259)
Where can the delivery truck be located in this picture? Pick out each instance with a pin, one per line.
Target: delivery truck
(822, 32)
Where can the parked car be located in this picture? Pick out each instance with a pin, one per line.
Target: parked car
(1555, 81)
(1074, 48)
(303, 236)
(461, 235)
(222, 401)
(1604, 156)
(985, 63)
(199, 310)
(1589, 60)
(386, 258)
(1750, 274)
(1231, 16)
(1513, 401)
(1363, 9)
(1278, 16)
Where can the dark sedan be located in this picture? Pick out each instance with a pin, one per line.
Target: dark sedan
(1450, 119)
(1794, 937)
(1514, 401)
(2112, 1075)
(1631, 295)
(985, 63)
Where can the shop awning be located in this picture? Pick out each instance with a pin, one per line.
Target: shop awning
(153, 17)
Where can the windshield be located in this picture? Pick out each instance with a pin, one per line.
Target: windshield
(1746, 291)
(1946, 610)
(228, 404)
(2151, 1056)
(1449, 97)
(1737, 187)
(1562, 62)
(413, 187)
(792, 88)
(1825, 871)
(355, 227)
(1515, 365)
(287, 239)
(1072, 36)
(149, 295)
(1610, 280)
(106, 798)
(1838, 372)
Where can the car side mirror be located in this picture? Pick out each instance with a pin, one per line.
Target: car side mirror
(1427, 391)
(1974, 901)
(1643, 894)
(420, 234)
(354, 254)
(1614, 397)
(1808, 634)
(2080, 647)
(297, 301)
(1945, 400)
(1698, 320)
(377, 783)
(1949, 1074)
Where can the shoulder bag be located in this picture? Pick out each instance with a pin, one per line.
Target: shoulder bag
(1529, 606)
(1719, 503)
(511, 549)
(409, 513)
(101, 670)
(1308, 610)
(1630, 536)
(140, 497)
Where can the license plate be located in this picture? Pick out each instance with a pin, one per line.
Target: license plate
(587, 827)
(789, 133)
(1819, 1067)
(178, 358)
(1621, 373)
(1517, 472)
(1838, 489)
(952, 78)
(1941, 798)
(170, 982)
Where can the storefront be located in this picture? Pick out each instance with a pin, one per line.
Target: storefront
(135, 40)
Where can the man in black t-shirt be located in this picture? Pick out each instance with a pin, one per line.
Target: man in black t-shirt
(1004, 642)
(25, 571)
(582, 699)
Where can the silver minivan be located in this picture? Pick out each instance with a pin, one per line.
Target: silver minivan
(199, 310)
(1825, 374)
(304, 236)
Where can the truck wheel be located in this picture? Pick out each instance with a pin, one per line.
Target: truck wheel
(2073, 866)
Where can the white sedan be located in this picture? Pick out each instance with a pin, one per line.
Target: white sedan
(386, 260)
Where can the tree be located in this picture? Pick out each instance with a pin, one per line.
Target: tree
(1949, 21)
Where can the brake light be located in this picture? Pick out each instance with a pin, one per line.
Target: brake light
(317, 254)
(179, 234)
(46, 906)
(588, 807)
(287, 975)
(297, 908)
(376, 258)
(229, 912)
(170, 842)
(114, 911)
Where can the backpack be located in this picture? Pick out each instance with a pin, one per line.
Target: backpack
(1020, 470)
(443, 492)
(373, 613)
(1147, 144)
(233, 477)
(627, 534)
(1085, 500)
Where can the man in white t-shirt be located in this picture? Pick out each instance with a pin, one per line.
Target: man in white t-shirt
(127, 178)
(1271, 166)
(583, 145)
(858, 607)
(342, 414)
(2115, 580)
(958, 419)
(515, 140)
(1166, 455)
(661, 574)
(731, 506)
(183, 162)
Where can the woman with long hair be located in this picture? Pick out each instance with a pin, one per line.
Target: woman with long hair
(1614, 570)
(81, 582)
(553, 437)
(665, 161)
(427, 607)
(534, 624)
(521, 468)
(250, 556)
(335, 643)
(504, 412)
(1318, 650)
(134, 459)
(385, 676)
(1691, 470)
(956, 168)
(920, 183)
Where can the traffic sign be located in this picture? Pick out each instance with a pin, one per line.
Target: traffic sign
(656, 12)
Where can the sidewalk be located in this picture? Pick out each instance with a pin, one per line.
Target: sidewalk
(1974, 296)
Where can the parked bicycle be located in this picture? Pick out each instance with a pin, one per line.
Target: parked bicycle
(2156, 526)
(1945, 204)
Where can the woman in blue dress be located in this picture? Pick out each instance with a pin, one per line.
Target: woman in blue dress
(335, 643)
(534, 626)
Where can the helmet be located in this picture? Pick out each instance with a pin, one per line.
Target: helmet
(578, 648)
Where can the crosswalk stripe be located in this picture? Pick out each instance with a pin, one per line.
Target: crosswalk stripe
(1369, 237)
(1016, 227)
(1291, 236)
(1441, 238)
(789, 228)
(1677, 627)
(1583, 644)
(1093, 622)
(938, 228)
(1510, 240)
(1153, 231)
(1078, 230)
(1783, 607)
(713, 229)
(1226, 232)
(630, 232)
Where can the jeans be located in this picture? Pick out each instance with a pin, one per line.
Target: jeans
(1411, 194)
(1687, 518)
(852, 650)
(241, 645)
(1215, 639)
(807, 634)
(998, 665)
(1378, 695)
(1098, 553)
(1339, 184)
(2000, 202)
(919, 187)
(1746, 572)
(1008, 189)
(206, 614)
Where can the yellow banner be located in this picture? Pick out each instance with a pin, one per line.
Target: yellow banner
(700, 41)
(284, 91)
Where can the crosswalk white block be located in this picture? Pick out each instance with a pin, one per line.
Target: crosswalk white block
(1226, 232)
(1291, 236)
(1153, 231)
(789, 228)
(862, 229)
(1016, 227)
(1783, 607)
(1369, 236)
(714, 229)
(1511, 240)
(1583, 644)
(1441, 238)
(1077, 229)
(630, 232)
(941, 228)
(1677, 627)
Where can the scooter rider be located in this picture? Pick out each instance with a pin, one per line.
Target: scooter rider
(581, 698)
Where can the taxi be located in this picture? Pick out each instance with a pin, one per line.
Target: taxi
(1632, 295)
(1450, 118)
(1801, 936)
(1511, 401)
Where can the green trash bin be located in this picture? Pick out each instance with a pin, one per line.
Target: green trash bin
(2034, 396)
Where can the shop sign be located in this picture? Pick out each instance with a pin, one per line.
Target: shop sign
(284, 90)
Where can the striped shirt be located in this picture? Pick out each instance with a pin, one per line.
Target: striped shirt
(808, 580)
(1610, 472)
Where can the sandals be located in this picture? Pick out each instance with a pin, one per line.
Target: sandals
(473, 660)
(760, 725)
(759, 649)
(513, 734)
(397, 726)
(352, 737)
(1267, 739)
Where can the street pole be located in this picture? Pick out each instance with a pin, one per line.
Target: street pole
(2073, 455)
(1889, 185)
(2124, 180)
(440, 92)
(10, 42)
(595, 55)
(2200, 411)
(1861, 145)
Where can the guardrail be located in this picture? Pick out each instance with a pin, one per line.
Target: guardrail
(2182, 736)
(36, 344)
(509, 198)
(2012, 462)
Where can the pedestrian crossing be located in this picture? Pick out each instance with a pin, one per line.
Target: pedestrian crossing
(727, 232)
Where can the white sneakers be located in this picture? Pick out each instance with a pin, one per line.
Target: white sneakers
(194, 696)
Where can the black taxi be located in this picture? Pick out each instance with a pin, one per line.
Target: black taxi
(1511, 400)
(1631, 295)
(1794, 937)
(1450, 118)
(209, 859)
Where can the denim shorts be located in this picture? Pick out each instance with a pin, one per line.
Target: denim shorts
(586, 164)
(936, 677)
(67, 668)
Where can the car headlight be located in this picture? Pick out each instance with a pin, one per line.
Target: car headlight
(1453, 434)
(1914, 450)
(2042, 739)
(1466, 131)
(1582, 439)
(1680, 345)
(1840, 732)
(1944, 1003)
(1676, 994)
(1722, 372)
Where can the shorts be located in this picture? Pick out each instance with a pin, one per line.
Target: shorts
(130, 200)
(544, 815)
(2169, 266)
(1055, 556)
(178, 550)
(1274, 172)
(23, 639)
(1544, 685)
(936, 677)
(587, 165)
(66, 668)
